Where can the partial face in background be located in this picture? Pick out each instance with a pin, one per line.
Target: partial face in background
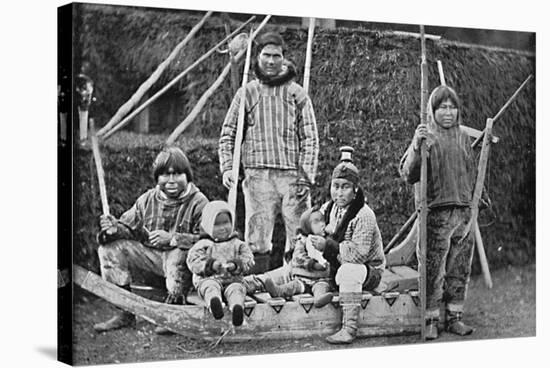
(222, 226)
(342, 192)
(271, 59)
(446, 113)
(172, 182)
(317, 223)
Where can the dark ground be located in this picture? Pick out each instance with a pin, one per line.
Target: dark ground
(507, 310)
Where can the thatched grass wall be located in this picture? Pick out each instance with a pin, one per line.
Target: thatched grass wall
(365, 90)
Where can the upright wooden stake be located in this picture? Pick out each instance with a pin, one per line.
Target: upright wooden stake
(441, 75)
(232, 197)
(307, 67)
(482, 257)
(232, 58)
(481, 172)
(486, 136)
(423, 232)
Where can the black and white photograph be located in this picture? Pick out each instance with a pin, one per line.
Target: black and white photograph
(234, 182)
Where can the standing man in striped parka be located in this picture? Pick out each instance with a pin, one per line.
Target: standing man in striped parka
(279, 152)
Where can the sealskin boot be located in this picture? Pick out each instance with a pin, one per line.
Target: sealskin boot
(351, 305)
(454, 324)
(237, 315)
(119, 320)
(170, 299)
(431, 328)
(216, 307)
(235, 297)
(285, 290)
(321, 294)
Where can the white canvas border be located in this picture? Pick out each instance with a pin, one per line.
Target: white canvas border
(29, 154)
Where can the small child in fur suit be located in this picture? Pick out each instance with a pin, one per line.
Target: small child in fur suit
(310, 271)
(219, 260)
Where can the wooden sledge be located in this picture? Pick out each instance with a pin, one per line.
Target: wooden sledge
(394, 308)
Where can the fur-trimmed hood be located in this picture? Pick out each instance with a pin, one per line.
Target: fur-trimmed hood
(209, 213)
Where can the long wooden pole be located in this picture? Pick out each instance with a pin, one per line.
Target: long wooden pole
(232, 197)
(145, 86)
(307, 68)
(441, 75)
(482, 257)
(125, 121)
(486, 137)
(232, 58)
(472, 223)
(99, 170)
(423, 233)
(401, 232)
(499, 113)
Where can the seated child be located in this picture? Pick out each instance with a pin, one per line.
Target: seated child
(310, 271)
(219, 260)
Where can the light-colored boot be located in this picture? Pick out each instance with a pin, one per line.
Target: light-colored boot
(432, 323)
(287, 290)
(432, 332)
(351, 306)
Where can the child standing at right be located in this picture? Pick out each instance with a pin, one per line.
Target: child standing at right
(451, 176)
